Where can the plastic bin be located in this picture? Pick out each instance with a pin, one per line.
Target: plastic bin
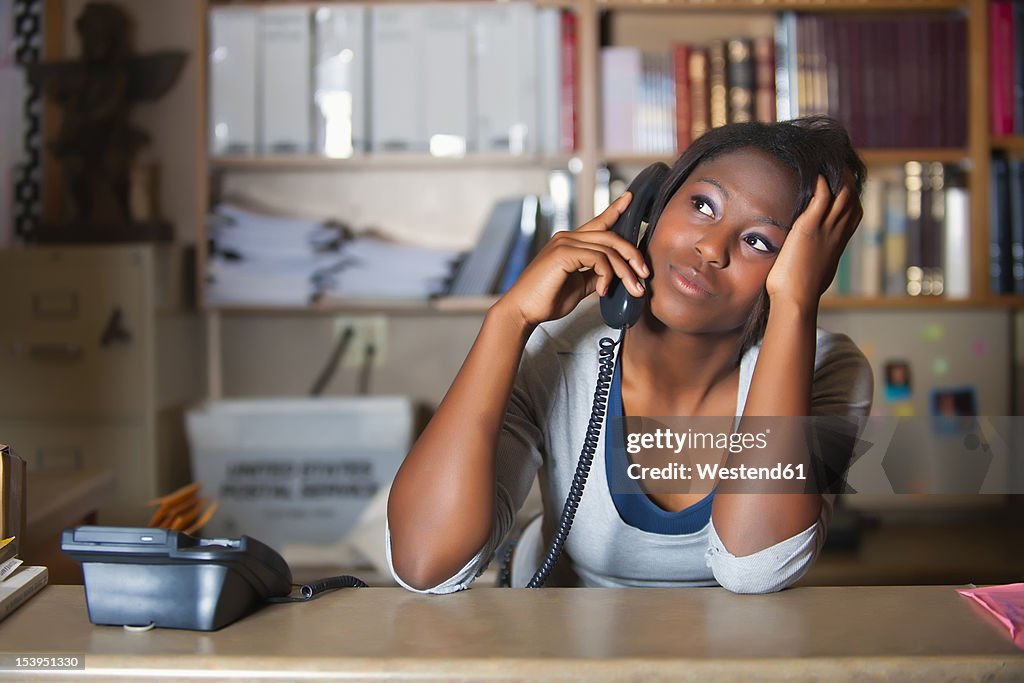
(296, 470)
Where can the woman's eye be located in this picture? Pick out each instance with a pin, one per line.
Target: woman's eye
(704, 206)
(759, 243)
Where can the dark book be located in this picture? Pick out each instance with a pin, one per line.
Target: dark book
(717, 79)
(933, 221)
(828, 31)
(526, 243)
(914, 184)
(957, 78)
(740, 79)
(1000, 281)
(1016, 181)
(480, 272)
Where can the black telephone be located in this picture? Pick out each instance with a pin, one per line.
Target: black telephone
(144, 577)
(619, 310)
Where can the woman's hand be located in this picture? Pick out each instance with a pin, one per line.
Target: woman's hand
(810, 255)
(572, 265)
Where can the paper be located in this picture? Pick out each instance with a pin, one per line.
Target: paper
(1005, 602)
(269, 260)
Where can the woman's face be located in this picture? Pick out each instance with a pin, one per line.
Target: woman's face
(717, 239)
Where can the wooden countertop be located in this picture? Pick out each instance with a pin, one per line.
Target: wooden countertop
(907, 633)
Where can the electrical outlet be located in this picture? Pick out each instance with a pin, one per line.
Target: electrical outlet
(367, 331)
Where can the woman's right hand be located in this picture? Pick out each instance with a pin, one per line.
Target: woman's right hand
(574, 264)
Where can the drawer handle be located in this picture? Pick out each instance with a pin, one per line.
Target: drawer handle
(57, 351)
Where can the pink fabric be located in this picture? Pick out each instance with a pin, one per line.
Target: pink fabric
(1006, 603)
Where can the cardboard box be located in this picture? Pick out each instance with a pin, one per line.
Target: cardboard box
(296, 470)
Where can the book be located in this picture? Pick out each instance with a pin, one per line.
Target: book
(680, 73)
(394, 80)
(525, 246)
(443, 35)
(764, 79)
(895, 238)
(1000, 281)
(914, 184)
(872, 234)
(479, 273)
(700, 120)
(234, 39)
(1018, 68)
(21, 586)
(741, 79)
(569, 122)
(621, 72)
(1016, 185)
(339, 73)
(957, 248)
(1001, 66)
(786, 67)
(501, 88)
(285, 91)
(717, 78)
(549, 79)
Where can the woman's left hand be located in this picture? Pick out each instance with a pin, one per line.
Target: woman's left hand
(810, 255)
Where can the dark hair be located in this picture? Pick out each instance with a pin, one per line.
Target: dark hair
(810, 146)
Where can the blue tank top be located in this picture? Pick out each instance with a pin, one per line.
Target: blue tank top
(632, 503)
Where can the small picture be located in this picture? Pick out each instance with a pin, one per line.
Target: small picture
(954, 402)
(897, 380)
(951, 407)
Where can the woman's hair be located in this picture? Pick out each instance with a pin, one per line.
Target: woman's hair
(810, 146)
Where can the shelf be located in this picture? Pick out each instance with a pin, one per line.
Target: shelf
(479, 305)
(917, 302)
(446, 304)
(944, 155)
(781, 5)
(1008, 142)
(383, 161)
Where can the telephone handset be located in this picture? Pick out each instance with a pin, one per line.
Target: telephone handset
(619, 308)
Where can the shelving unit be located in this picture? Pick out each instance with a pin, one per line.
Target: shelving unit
(589, 156)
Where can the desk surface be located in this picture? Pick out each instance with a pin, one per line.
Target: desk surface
(925, 633)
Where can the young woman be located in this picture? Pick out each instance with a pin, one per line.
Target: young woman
(748, 229)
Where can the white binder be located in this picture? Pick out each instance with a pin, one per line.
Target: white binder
(233, 63)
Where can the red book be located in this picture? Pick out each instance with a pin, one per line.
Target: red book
(1001, 66)
(569, 72)
(764, 79)
(681, 75)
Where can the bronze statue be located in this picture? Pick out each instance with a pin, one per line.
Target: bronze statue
(96, 143)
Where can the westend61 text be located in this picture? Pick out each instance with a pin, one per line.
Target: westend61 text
(708, 472)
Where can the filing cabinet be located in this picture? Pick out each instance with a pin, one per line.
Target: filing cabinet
(100, 354)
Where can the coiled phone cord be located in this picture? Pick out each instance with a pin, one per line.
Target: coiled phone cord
(315, 588)
(606, 369)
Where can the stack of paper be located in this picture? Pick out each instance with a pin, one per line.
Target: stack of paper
(374, 268)
(266, 260)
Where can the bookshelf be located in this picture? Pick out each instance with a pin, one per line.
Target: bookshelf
(655, 23)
